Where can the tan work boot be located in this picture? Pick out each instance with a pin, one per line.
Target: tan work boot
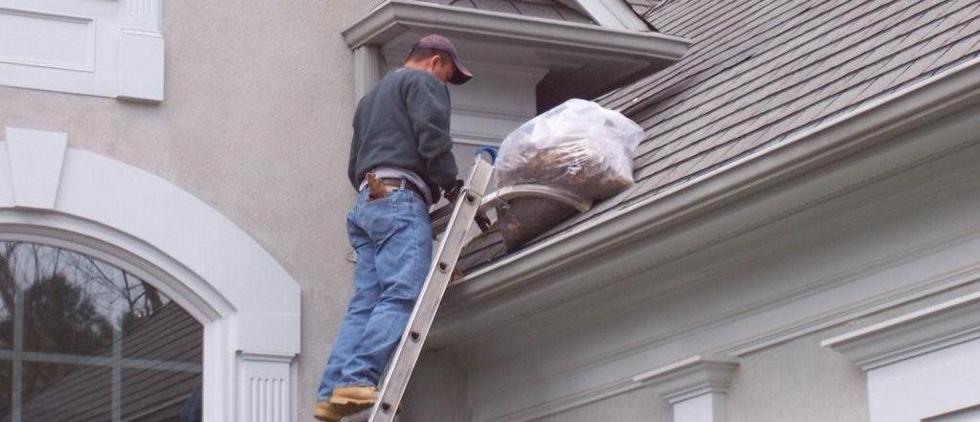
(326, 412)
(350, 400)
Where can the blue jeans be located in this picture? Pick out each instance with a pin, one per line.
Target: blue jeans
(393, 240)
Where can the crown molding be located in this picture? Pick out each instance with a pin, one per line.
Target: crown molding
(914, 334)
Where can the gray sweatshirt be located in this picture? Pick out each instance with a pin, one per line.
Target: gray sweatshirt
(404, 122)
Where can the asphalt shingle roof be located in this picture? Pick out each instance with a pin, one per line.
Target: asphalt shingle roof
(759, 73)
(548, 9)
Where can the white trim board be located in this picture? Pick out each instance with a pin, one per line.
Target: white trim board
(249, 305)
(109, 49)
(922, 365)
(921, 332)
(394, 16)
(569, 50)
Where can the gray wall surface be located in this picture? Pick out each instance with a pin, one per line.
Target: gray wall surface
(256, 123)
(798, 381)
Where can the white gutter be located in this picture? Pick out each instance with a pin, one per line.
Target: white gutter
(396, 16)
(872, 124)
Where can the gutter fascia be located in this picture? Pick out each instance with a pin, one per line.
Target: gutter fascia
(395, 16)
(870, 125)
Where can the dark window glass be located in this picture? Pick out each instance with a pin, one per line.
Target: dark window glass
(170, 335)
(150, 395)
(6, 392)
(59, 392)
(81, 339)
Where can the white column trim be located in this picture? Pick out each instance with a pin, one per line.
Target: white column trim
(917, 333)
(368, 64)
(922, 365)
(695, 387)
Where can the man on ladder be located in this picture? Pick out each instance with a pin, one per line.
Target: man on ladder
(401, 160)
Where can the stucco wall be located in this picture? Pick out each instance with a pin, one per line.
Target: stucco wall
(798, 381)
(256, 122)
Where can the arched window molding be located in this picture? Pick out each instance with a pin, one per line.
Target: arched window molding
(248, 304)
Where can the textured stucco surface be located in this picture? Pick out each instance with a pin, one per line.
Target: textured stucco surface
(636, 405)
(256, 123)
(798, 381)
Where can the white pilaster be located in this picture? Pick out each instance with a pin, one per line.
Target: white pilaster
(368, 65)
(265, 387)
(709, 407)
(921, 366)
(141, 51)
(696, 387)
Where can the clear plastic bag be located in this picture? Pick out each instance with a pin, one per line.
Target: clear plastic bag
(578, 146)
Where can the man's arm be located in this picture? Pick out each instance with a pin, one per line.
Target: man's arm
(355, 144)
(428, 107)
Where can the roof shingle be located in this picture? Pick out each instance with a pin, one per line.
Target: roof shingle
(760, 72)
(547, 9)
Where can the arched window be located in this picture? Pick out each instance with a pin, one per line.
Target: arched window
(81, 339)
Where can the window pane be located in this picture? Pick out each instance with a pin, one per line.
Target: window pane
(150, 395)
(72, 302)
(91, 317)
(170, 334)
(58, 392)
(7, 299)
(6, 382)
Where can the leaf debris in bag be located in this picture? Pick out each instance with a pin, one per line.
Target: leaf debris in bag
(578, 146)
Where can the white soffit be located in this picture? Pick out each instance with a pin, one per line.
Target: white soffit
(921, 332)
(515, 39)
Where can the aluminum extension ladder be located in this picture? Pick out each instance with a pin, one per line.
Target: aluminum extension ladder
(471, 203)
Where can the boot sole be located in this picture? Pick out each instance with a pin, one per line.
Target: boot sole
(349, 406)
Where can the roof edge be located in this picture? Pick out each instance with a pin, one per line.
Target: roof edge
(395, 16)
(869, 125)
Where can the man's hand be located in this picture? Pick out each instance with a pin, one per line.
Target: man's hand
(452, 193)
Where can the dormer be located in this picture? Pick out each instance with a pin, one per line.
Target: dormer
(526, 55)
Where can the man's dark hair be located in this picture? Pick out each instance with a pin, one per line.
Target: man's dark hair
(423, 53)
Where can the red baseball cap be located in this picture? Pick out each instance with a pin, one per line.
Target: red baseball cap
(441, 43)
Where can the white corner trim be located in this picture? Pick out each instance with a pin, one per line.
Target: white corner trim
(691, 377)
(36, 159)
(613, 14)
(141, 66)
(396, 16)
(249, 305)
(917, 333)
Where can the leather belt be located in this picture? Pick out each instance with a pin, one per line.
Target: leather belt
(400, 183)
